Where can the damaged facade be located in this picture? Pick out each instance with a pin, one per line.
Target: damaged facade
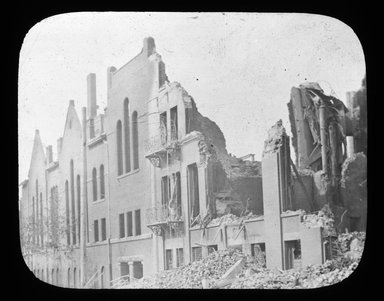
(149, 185)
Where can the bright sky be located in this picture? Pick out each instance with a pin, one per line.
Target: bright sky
(239, 67)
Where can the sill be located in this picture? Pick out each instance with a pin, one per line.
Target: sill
(128, 174)
(288, 214)
(97, 243)
(98, 201)
(96, 140)
(132, 238)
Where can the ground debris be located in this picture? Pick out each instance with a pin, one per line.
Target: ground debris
(252, 275)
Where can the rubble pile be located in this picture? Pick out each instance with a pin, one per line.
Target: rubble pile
(323, 218)
(253, 275)
(191, 275)
(350, 249)
(230, 218)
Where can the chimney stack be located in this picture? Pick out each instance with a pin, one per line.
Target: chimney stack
(49, 154)
(59, 144)
(149, 46)
(91, 94)
(110, 72)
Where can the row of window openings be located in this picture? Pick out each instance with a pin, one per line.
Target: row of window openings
(55, 277)
(196, 255)
(101, 184)
(292, 253)
(126, 223)
(257, 250)
(127, 141)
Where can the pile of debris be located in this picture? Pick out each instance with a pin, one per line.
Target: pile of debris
(323, 218)
(230, 218)
(191, 275)
(247, 272)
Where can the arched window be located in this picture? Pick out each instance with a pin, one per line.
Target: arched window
(127, 142)
(67, 212)
(94, 184)
(135, 138)
(102, 277)
(74, 278)
(119, 149)
(69, 278)
(102, 182)
(78, 197)
(73, 209)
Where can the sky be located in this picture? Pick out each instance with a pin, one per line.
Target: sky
(238, 67)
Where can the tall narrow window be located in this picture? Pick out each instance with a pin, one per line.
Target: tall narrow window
(74, 278)
(58, 277)
(193, 187)
(127, 142)
(67, 212)
(135, 133)
(164, 190)
(94, 184)
(163, 128)
(129, 224)
(54, 213)
(69, 278)
(41, 220)
(179, 257)
(73, 209)
(33, 221)
(168, 259)
(37, 232)
(103, 229)
(121, 225)
(137, 222)
(96, 230)
(174, 124)
(102, 182)
(178, 193)
(78, 192)
(102, 277)
(119, 146)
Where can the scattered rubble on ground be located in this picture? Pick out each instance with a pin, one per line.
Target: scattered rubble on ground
(209, 270)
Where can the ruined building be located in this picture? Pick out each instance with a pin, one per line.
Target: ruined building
(148, 184)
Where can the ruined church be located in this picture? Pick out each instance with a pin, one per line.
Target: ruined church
(147, 184)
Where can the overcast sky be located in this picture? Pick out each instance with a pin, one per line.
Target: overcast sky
(239, 67)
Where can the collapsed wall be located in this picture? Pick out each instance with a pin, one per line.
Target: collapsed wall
(234, 184)
(320, 126)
